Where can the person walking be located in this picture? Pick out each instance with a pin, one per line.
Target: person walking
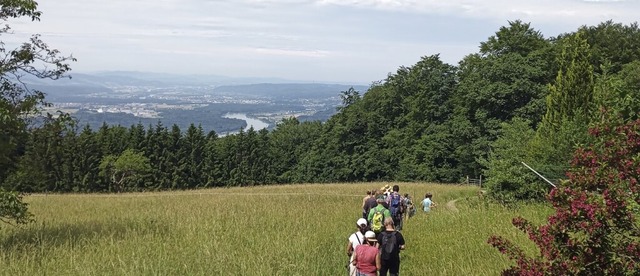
(355, 240)
(367, 259)
(396, 206)
(427, 203)
(377, 215)
(369, 204)
(411, 209)
(365, 211)
(378, 194)
(390, 244)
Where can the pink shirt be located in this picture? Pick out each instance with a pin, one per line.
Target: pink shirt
(366, 259)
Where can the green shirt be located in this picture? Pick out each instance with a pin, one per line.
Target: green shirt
(385, 212)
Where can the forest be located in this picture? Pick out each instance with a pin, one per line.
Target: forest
(522, 97)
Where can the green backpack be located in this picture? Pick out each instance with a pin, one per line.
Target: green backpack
(377, 221)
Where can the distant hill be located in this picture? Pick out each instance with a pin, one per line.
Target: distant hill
(124, 78)
(165, 79)
(86, 96)
(289, 90)
(82, 84)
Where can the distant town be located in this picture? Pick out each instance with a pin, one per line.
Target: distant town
(154, 109)
(126, 100)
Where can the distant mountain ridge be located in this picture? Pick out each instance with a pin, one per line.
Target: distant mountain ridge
(286, 90)
(150, 78)
(83, 83)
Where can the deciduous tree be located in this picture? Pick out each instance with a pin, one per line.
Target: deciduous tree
(18, 102)
(123, 168)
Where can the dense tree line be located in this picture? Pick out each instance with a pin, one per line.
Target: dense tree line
(522, 97)
(61, 158)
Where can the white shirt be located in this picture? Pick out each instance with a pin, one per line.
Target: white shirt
(356, 239)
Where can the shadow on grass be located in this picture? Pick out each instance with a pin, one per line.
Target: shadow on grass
(39, 237)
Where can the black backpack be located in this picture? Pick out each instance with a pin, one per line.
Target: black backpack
(390, 247)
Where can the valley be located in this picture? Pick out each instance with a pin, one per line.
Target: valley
(129, 98)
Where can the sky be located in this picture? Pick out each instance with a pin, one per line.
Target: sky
(339, 41)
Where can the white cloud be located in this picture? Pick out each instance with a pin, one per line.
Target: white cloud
(309, 39)
(542, 10)
(294, 53)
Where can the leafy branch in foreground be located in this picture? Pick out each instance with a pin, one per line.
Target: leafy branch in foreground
(12, 209)
(18, 103)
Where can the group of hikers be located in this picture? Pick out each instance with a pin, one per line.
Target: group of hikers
(375, 246)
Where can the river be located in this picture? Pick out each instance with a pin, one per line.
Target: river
(257, 124)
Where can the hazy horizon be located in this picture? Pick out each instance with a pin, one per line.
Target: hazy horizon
(332, 41)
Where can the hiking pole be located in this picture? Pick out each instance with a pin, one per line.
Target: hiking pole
(538, 174)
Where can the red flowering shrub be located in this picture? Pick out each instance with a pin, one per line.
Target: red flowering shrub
(594, 230)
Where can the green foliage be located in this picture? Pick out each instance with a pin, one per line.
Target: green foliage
(13, 209)
(86, 162)
(553, 153)
(571, 95)
(508, 179)
(612, 43)
(121, 169)
(506, 79)
(289, 143)
(431, 121)
(572, 100)
(594, 230)
(192, 157)
(570, 103)
(18, 103)
(47, 167)
(349, 97)
(619, 94)
(390, 132)
(518, 38)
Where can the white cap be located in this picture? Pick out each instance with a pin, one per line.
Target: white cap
(369, 235)
(361, 222)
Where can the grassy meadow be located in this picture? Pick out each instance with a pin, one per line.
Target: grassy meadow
(266, 230)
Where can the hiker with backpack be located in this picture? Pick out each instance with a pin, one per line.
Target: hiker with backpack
(383, 194)
(367, 258)
(410, 208)
(396, 206)
(365, 210)
(355, 240)
(377, 215)
(370, 203)
(390, 242)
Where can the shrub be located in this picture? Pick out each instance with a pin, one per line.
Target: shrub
(508, 180)
(594, 229)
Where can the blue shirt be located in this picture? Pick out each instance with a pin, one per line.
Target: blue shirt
(426, 204)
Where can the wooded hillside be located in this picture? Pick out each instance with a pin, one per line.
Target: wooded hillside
(522, 97)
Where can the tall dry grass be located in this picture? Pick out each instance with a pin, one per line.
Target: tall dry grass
(268, 230)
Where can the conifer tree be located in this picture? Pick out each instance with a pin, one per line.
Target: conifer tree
(87, 161)
(570, 96)
(193, 147)
(569, 107)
